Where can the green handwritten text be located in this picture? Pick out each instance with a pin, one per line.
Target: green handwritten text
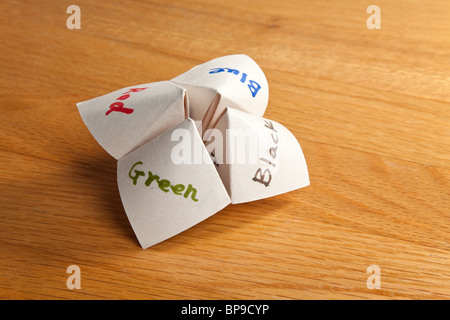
(163, 184)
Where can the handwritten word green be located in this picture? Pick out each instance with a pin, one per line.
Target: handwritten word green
(163, 184)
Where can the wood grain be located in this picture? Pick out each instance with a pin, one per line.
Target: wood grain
(371, 109)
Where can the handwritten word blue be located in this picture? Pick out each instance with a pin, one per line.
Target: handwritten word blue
(252, 85)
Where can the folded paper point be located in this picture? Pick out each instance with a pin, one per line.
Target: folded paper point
(124, 119)
(237, 79)
(259, 158)
(162, 198)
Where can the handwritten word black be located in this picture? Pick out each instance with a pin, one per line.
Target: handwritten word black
(265, 177)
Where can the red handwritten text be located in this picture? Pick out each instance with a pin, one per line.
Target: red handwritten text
(119, 106)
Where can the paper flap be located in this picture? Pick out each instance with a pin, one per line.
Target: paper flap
(237, 78)
(125, 119)
(162, 196)
(260, 157)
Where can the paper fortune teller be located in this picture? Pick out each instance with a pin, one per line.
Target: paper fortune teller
(188, 147)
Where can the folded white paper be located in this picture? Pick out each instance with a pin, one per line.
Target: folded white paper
(188, 147)
(233, 81)
(259, 158)
(124, 119)
(161, 198)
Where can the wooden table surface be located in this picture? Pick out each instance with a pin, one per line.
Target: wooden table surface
(370, 108)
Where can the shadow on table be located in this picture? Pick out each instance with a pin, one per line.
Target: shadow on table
(231, 219)
(99, 176)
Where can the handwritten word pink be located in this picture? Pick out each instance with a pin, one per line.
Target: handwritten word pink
(119, 106)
